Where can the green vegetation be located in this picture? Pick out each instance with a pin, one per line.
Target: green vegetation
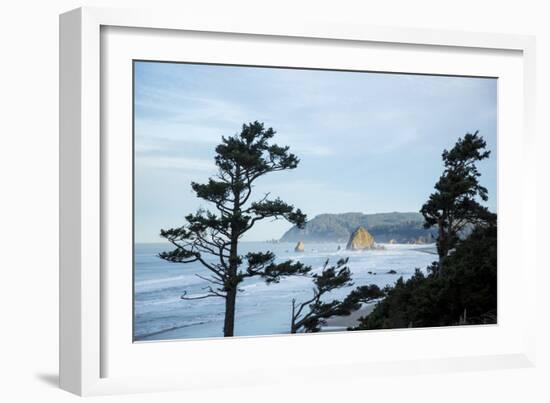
(310, 315)
(400, 227)
(453, 206)
(461, 288)
(466, 294)
(241, 160)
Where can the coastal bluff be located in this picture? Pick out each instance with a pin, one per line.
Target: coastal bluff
(337, 228)
(360, 239)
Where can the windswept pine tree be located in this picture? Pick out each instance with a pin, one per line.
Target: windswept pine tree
(454, 205)
(212, 237)
(310, 315)
(461, 288)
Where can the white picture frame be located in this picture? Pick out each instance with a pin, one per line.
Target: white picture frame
(85, 344)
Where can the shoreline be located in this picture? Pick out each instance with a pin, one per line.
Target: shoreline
(263, 310)
(340, 323)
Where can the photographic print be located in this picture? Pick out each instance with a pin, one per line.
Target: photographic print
(273, 201)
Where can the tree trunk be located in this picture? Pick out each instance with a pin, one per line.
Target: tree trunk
(293, 317)
(232, 284)
(229, 322)
(442, 244)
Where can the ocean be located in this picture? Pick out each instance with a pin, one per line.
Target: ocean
(262, 309)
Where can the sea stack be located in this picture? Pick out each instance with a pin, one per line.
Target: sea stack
(300, 247)
(361, 239)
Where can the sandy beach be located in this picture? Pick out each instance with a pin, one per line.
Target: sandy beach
(339, 323)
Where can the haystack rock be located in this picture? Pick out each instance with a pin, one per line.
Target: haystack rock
(361, 239)
(300, 247)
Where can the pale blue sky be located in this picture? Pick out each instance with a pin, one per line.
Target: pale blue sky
(368, 142)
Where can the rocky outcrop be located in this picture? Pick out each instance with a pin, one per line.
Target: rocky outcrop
(337, 228)
(300, 247)
(361, 239)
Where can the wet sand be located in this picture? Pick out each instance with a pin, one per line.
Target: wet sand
(339, 323)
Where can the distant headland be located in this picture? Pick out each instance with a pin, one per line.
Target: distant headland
(394, 227)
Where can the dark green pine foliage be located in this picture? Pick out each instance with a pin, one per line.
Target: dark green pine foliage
(212, 237)
(454, 208)
(310, 315)
(461, 288)
(466, 294)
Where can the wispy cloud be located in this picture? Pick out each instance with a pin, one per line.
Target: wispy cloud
(179, 163)
(315, 150)
(170, 134)
(367, 142)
